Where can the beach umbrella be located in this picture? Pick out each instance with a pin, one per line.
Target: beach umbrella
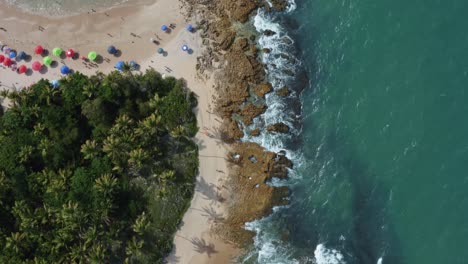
(65, 70)
(70, 53)
(184, 47)
(57, 52)
(160, 51)
(7, 62)
(133, 65)
(120, 65)
(38, 49)
(6, 49)
(55, 83)
(14, 67)
(22, 69)
(22, 55)
(2, 58)
(12, 54)
(189, 27)
(47, 60)
(111, 49)
(36, 66)
(92, 55)
(164, 28)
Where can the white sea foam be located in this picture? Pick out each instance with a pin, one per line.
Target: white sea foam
(324, 255)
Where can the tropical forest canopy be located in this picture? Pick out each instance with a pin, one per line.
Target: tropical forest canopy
(100, 170)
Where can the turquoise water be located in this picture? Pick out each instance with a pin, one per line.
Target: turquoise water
(384, 172)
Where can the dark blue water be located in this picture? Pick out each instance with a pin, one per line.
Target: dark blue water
(382, 170)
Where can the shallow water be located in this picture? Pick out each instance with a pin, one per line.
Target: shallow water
(63, 7)
(381, 174)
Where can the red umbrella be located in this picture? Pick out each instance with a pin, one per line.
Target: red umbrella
(70, 53)
(22, 69)
(7, 62)
(38, 49)
(36, 66)
(2, 58)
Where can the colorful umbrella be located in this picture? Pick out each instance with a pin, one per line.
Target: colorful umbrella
(164, 28)
(70, 53)
(111, 49)
(57, 52)
(119, 65)
(160, 51)
(36, 66)
(12, 54)
(7, 62)
(92, 55)
(47, 60)
(2, 58)
(22, 55)
(6, 49)
(133, 65)
(38, 49)
(22, 69)
(189, 27)
(65, 70)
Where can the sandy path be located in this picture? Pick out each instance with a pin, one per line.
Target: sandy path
(193, 242)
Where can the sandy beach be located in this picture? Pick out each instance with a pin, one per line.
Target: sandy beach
(129, 29)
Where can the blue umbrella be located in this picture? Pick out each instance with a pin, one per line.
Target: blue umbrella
(22, 55)
(160, 51)
(119, 65)
(111, 49)
(12, 54)
(55, 83)
(133, 65)
(189, 27)
(65, 70)
(164, 28)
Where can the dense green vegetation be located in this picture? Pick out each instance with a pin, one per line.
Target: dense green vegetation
(99, 170)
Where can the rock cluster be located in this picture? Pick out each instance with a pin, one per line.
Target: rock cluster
(231, 56)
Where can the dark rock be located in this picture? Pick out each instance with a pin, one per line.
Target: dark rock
(283, 91)
(266, 50)
(278, 127)
(269, 33)
(255, 132)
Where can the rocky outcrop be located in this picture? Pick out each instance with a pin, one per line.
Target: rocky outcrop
(252, 168)
(278, 127)
(283, 91)
(250, 111)
(261, 89)
(279, 5)
(255, 132)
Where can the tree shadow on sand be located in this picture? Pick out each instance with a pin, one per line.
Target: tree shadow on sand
(202, 247)
(210, 191)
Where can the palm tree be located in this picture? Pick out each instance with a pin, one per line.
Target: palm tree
(105, 184)
(15, 242)
(141, 224)
(90, 149)
(137, 156)
(112, 146)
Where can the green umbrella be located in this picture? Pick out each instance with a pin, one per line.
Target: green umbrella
(92, 55)
(47, 60)
(57, 52)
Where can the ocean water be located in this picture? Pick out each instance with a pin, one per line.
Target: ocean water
(381, 152)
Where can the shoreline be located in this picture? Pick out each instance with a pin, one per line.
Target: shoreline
(224, 71)
(193, 243)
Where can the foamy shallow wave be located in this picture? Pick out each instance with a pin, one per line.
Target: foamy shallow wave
(269, 243)
(324, 255)
(62, 7)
